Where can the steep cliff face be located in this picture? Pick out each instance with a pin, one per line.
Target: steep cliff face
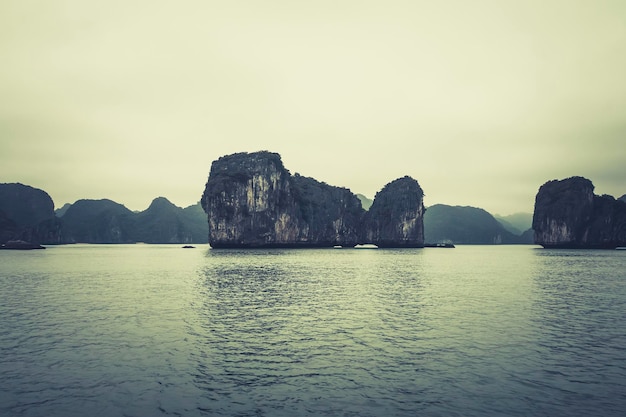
(27, 214)
(395, 218)
(569, 215)
(252, 201)
(249, 202)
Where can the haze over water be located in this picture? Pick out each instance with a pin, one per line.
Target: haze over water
(147, 330)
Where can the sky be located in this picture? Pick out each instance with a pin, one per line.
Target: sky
(480, 101)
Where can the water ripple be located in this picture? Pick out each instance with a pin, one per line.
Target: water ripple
(143, 330)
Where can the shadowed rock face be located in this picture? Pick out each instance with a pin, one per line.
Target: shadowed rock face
(252, 201)
(569, 215)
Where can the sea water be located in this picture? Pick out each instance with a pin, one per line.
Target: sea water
(157, 330)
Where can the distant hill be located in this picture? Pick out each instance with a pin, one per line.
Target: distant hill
(61, 211)
(465, 225)
(27, 213)
(163, 222)
(98, 221)
(105, 221)
(196, 219)
(623, 198)
(25, 205)
(366, 203)
(516, 223)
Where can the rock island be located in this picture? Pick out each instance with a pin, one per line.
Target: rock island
(252, 201)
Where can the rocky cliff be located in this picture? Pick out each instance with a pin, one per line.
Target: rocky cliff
(569, 215)
(27, 213)
(252, 200)
(395, 218)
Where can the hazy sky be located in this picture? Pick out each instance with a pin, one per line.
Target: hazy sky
(480, 101)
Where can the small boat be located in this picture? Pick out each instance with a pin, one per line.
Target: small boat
(366, 246)
(20, 245)
(438, 245)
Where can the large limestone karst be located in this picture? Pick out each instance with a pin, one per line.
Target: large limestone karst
(252, 200)
(569, 215)
(395, 218)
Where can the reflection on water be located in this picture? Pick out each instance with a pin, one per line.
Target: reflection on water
(145, 330)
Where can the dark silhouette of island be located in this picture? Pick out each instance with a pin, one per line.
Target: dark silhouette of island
(105, 221)
(27, 218)
(27, 215)
(569, 215)
(252, 201)
(468, 225)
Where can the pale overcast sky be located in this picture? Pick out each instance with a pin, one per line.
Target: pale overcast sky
(481, 101)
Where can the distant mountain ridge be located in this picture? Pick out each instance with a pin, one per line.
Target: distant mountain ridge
(516, 223)
(105, 221)
(467, 225)
(27, 213)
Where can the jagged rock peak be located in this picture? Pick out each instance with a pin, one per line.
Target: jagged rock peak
(568, 214)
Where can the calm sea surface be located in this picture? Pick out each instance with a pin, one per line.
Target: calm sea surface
(157, 330)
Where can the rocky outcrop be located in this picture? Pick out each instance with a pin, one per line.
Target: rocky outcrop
(395, 218)
(27, 214)
(569, 215)
(466, 225)
(327, 215)
(252, 200)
